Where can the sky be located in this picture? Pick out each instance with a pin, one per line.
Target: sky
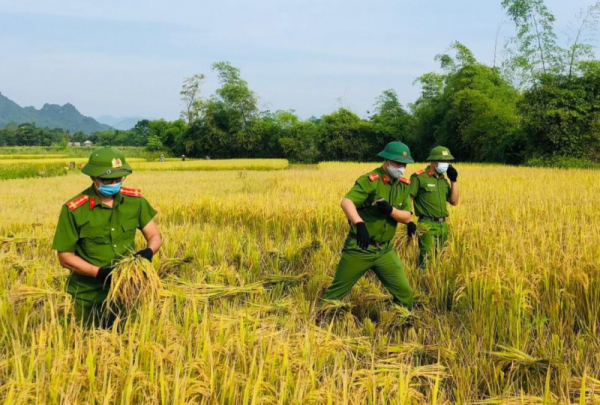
(129, 57)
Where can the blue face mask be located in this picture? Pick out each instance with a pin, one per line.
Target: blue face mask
(109, 190)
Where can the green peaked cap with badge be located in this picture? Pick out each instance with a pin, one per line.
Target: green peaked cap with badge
(396, 152)
(440, 153)
(107, 163)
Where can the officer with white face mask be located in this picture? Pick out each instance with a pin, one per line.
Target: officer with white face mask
(378, 202)
(431, 192)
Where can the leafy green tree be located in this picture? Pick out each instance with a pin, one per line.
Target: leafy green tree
(138, 135)
(190, 95)
(106, 138)
(469, 109)
(8, 135)
(169, 137)
(562, 114)
(391, 122)
(28, 135)
(154, 143)
(344, 136)
(239, 102)
(537, 50)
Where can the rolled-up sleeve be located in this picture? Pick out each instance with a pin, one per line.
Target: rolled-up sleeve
(361, 191)
(147, 213)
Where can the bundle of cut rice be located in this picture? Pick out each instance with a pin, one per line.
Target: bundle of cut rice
(134, 281)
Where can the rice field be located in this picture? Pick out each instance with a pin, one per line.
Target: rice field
(509, 314)
(31, 156)
(46, 160)
(24, 167)
(45, 166)
(211, 165)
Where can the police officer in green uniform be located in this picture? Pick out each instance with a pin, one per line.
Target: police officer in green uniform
(98, 227)
(431, 191)
(374, 206)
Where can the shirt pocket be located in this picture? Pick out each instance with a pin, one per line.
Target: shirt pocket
(96, 234)
(130, 225)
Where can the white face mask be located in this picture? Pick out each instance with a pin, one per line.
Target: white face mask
(442, 167)
(395, 172)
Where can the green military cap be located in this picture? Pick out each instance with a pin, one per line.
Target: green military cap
(396, 152)
(440, 153)
(107, 163)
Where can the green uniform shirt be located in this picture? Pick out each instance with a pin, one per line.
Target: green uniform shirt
(97, 233)
(371, 187)
(430, 193)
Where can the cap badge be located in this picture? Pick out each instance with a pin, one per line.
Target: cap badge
(445, 153)
(404, 153)
(116, 163)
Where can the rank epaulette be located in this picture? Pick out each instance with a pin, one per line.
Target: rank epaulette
(77, 202)
(131, 192)
(374, 177)
(419, 172)
(405, 181)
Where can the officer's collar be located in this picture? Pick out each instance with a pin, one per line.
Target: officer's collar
(431, 172)
(96, 199)
(386, 177)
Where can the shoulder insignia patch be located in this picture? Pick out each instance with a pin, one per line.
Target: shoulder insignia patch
(77, 202)
(404, 180)
(419, 172)
(374, 177)
(131, 192)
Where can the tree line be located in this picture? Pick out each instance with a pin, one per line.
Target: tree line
(541, 102)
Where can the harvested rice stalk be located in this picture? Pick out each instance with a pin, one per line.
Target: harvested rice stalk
(210, 291)
(20, 293)
(329, 308)
(171, 266)
(133, 281)
(286, 279)
(396, 318)
(17, 243)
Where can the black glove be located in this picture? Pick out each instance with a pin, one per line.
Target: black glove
(362, 235)
(452, 173)
(411, 229)
(384, 207)
(147, 254)
(105, 273)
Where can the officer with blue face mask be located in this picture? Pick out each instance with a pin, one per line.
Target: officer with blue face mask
(431, 192)
(96, 228)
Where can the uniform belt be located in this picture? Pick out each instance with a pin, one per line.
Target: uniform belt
(371, 242)
(434, 219)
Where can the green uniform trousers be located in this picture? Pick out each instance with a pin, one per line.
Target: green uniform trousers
(432, 241)
(383, 260)
(89, 298)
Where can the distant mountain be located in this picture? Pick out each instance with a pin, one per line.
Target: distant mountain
(122, 123)
(50, 115)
